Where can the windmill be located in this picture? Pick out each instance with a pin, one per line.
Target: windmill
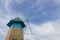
(16, 26)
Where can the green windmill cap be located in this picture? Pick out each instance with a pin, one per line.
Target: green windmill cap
(16, 20)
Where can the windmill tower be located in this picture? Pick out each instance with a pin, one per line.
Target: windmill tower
(16, 26)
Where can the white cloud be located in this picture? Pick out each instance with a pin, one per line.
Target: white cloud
(28, 37)
(56, 25)
(46, 31)
(3, 32)
(43, 29)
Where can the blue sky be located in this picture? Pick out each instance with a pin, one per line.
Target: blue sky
(43, 15)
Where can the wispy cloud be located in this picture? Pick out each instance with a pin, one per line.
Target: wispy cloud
(56, 1)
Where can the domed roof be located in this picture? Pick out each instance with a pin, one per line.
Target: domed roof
(16, 20)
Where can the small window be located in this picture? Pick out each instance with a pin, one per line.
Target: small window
(14, 39)
(21, 39)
